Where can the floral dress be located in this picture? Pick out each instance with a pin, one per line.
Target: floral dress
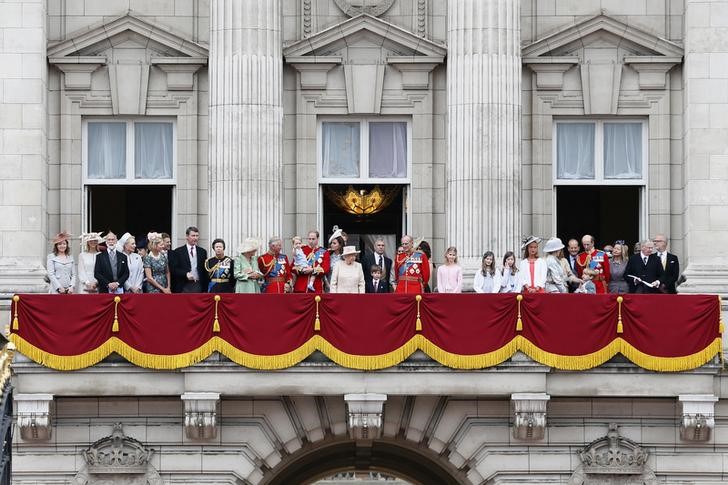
(158, 266)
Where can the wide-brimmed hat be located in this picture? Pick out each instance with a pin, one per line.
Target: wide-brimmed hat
(349, 250)
(249, 244)
(528, 240)
(337, 233)
(61, 236)
(87, 237)
(553, 244)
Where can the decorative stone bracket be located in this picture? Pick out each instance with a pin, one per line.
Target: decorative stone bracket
(34, 416)
(201, 414)
(365, 415)
(698, 421)
(550, 70)
(530, 415)
(77, 70)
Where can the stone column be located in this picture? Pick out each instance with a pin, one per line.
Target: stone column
(706, 159)
(484, 115)
(246, 120)
(23, 147)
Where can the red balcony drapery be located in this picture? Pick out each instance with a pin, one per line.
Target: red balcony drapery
(466, 331)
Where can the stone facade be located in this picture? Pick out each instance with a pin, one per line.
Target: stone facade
(480, 86)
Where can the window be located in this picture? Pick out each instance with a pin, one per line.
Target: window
(604, 152)
(129, 152)
(364, 150)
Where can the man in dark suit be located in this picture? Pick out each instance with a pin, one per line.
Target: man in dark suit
(376, 282)
(647, 269)
(670, 265)
(573, 249)
(187, 265)
(380, 259)
(111, 269)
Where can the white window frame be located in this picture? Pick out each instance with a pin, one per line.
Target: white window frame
(599, 152)
(129, 179)
(363, 150)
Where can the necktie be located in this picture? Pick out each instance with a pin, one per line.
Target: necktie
(112, 261)
(663, 258)
(644, 260)
(376, 285)
(192, 252)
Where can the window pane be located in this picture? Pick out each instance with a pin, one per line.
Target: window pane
(387, 150)
(623, 150)
(153, 150)
(340, 145)
(107, 150)
(575, 150)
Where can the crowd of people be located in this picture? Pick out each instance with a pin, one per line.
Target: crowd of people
(119, 265)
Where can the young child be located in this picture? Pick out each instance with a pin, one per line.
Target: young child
(587, 286)
(300, 261)
(377, 284)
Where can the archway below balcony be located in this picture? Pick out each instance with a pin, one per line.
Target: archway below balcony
(407, 462)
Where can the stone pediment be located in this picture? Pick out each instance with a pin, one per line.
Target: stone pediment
(365, 30)
(124, 32)
(600, 32)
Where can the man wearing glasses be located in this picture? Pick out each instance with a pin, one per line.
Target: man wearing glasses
(670, 265)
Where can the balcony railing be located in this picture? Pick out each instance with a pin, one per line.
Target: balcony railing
(469, 331)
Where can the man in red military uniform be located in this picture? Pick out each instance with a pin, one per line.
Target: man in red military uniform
(311, 278)
(595, 260)
(275, 268)
(411, 269)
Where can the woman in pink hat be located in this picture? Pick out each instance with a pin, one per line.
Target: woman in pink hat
(60, 266)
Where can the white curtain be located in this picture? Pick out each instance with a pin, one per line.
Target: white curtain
(153, 150)
(340, 150)
(387, 150)
(622, 150)
(106, 150)
(575, 150)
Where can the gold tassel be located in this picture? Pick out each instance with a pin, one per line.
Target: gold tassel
(418, 323)
(519, 322)
(317, 322)
(115, 326)
(16, 299)
(620, 327)
(216, 323)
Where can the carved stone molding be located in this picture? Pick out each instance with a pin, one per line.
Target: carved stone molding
(698, 421)
(550, 70)
(652, 70)
(613, 454)
(180, 71)
(365, 414)
(201, 414)
(353, 8)
(34, 416)
(313, 71)
(415, 70)
(530, 415)
(77, 70)
(117, 454)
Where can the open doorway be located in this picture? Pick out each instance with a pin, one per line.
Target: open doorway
(609, 213)
(136, 209)
(387, 223)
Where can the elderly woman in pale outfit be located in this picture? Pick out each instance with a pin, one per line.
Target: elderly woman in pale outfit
(134, 283)
(532, 269)
(487, 279)
(348, 276)
(555, 276)
(60, 266)
(87, 284)
(247, 274)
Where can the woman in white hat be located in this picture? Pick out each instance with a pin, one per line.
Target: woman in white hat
(61, 270)
(555, 277)
(247, 274)
(348, 276)
(87, 284)
(135, 281)
(532, 269)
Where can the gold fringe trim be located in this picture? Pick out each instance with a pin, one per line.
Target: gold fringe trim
(568, 362)
(476, 361)
(670, 364)
(367, 362)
